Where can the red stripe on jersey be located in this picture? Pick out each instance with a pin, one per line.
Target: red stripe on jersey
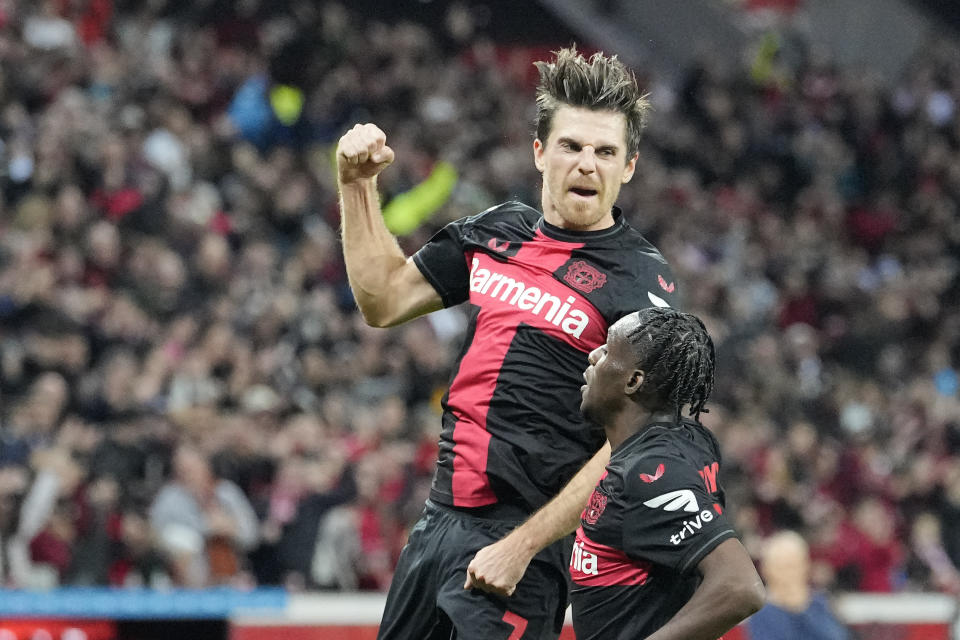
(472, 393)
(596, 565)
(508, 294)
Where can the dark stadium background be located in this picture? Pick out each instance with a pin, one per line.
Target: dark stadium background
(170, 277)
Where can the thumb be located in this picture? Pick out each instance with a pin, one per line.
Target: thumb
(383, 155)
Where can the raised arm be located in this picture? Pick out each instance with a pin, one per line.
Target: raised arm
(731, 591)
(498, 567)
(387, 285)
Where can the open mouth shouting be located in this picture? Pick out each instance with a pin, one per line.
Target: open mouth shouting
(583, 192)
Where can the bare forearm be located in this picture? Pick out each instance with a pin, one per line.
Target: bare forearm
(561, 515)
(498, 567)
(712, 611)
(388, 287)
(370, 251)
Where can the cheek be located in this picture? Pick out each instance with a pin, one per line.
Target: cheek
(612, 180)
(555, 181)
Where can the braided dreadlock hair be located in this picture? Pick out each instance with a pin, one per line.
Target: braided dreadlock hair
(677, 354)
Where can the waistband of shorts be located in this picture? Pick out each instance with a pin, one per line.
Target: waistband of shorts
(499, 512)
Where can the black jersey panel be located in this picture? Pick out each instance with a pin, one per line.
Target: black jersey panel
(541, 299)
(658, 506)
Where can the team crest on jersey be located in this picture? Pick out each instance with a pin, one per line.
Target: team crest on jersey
(584, 277)
(598, 502)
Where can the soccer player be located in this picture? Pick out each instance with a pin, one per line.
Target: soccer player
(542, 289)
(654, 556)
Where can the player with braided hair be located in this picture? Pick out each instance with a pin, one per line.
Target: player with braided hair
(655, 556)
(682, 357)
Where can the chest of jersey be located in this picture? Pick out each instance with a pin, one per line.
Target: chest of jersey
(523, 290)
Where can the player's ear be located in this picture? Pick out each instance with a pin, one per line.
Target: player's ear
(538, 154)
(630, 168)
(634, 382)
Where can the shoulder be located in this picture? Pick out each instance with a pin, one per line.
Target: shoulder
(506, 222)
(667, 440)
(635, 242)
(227, 489)
(638, 275)
(173, 490)
(703, 438)
(689, 440)
(647, 265)
(170, 496)
(511, 212)
(658, 466)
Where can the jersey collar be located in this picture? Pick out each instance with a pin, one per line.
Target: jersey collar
(650, 429)
(566, 235)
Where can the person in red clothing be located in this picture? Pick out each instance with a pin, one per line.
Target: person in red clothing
(862, 550)
(873, 551)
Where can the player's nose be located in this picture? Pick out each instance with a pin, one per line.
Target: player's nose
(594, 356)
(587, 162)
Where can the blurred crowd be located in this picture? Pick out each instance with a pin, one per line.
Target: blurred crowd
(188, 396)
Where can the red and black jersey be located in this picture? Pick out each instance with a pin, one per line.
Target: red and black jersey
(656, 513)
(541, 298)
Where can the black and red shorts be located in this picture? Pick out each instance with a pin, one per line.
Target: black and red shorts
(427, 600)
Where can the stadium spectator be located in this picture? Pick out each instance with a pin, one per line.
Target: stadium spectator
(205, 525)
(792, 611)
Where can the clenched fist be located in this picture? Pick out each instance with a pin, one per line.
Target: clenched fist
(362, 153)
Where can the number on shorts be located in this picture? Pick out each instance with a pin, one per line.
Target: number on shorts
(519, 624)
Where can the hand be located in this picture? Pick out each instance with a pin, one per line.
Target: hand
(498, 567)
(362, 153)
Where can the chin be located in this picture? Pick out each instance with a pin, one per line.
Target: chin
(591, 414)
(581, 219)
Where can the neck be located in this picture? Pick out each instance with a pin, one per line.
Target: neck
(634, 420)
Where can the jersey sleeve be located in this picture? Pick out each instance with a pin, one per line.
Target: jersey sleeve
(668, 287)
(663, 290)
(442, 262)
(672, 518)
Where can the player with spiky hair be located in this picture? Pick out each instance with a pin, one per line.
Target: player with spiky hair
(543, 286)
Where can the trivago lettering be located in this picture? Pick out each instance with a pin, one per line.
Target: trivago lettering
(561, 313)
(691, 527)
